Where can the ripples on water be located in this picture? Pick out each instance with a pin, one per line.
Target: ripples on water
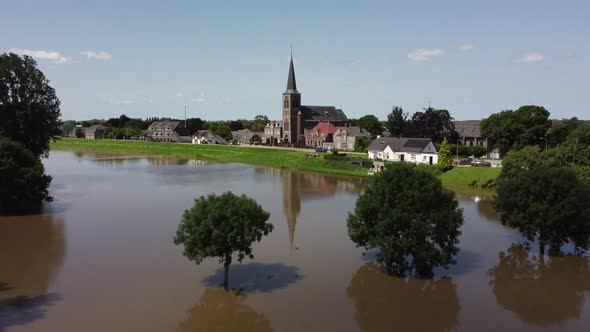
(101, 258)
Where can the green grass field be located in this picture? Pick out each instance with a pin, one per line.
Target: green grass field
(457, 179)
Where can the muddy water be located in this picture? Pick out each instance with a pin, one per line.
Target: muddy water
(101, 258)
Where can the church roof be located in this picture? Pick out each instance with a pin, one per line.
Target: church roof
(322, 113)
(468, 128)
(291, 83)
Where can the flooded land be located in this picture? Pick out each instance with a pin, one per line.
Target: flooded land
(101, 258)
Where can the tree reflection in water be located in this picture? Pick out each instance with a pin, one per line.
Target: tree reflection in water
(386, 303)
(219, 310)
(540, 292)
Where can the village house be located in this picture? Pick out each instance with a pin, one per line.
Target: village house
(94, 132)
(345, 138)
(413, 150)
(167, 131)
(75, 130)
(469, 134)
(273, 131)
(207, 137)
(321, 135)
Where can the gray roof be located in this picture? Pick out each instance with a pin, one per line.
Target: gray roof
(94, 128)
(291, 84)
(163, 125)
(238, 134)
(353, 131)
(322, 113)
(468, 128)
(397, 144)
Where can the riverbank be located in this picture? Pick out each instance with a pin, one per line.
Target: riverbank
(457, 179)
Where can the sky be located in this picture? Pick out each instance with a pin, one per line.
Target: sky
(229, 59)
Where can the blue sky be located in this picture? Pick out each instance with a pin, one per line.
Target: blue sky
(229, 59)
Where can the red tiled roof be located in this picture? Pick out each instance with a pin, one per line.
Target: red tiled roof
(323, 129)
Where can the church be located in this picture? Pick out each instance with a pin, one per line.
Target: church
(297, 118)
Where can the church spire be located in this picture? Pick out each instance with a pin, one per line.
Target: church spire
(291, 84)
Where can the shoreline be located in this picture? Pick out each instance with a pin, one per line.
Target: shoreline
(456, 180)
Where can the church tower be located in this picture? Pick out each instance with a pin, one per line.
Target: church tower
(292, 130)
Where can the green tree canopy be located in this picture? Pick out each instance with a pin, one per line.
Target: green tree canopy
(528, 125)
(29, 107)
(579, 136)
(445, 161)
(561, 129)
(222, 226)
(371, 124)
(434, 124)
(397, 121)
(23, 183)
(407, 216)
(549, 205)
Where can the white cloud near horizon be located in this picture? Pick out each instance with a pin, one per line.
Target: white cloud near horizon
(467, 47)
(531, 57)
(201, 99)
(101, 55)
(424, 55)
(40, 54)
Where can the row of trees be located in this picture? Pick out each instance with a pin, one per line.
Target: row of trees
(29, 119)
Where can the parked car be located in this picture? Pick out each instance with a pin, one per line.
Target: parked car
(321, 149)
(464, 161)
(481, 163)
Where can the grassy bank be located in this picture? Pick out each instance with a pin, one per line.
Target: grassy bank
(295, 160)
(457, 179)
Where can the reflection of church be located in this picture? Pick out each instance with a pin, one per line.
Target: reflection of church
(298, 187)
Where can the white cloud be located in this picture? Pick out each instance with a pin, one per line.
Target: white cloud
(530, 57)
(179, 94)
(39, 54)
(102, 55)
(121, 102)
(424, 55)
(467, 47)
(201, 99)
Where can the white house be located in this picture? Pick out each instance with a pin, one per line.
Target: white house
(207, 137)
(414, 150)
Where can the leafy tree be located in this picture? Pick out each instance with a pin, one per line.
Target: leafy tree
(434, 124)
(80, 133)
(413, 222)
(29, 107)
(371, 124)
(397, 121)
(221, 226)
(549, 205)
(236, 125)
(361, 144)
(518, 161)
(257, 125)
(445, 161)
(23, 183)
(528, 125)
(579, 136)
(222, 130)
(561, 129)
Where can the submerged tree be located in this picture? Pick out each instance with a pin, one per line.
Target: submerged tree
(221, 226)
(549, 205)
(29, 107)
(407, 216)
(23, 183)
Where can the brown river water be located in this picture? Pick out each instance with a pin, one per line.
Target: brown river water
(101, 258)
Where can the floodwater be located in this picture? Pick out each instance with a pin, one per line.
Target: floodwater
(101, 258)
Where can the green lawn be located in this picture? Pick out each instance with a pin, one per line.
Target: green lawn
(221, 153)
(457, 179)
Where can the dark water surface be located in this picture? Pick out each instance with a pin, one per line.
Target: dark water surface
(101, 258)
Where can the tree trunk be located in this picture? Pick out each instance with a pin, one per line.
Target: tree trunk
(226, 272)
(541, 248)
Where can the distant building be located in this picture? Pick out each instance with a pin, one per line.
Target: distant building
(75, 130)
(66, 130)
(207, 137)
(297, 118)
(273, 132)
(167, 131)
(94, 132)
(321, 135)
(345, 138)
(414, 150)
(469, 134)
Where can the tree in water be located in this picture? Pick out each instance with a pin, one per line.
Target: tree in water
(549, 205)
(540, 292)
(407, 216)
(221, 226)
(23, 183)
(29, 107)
(412, 304)
(445, 161)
